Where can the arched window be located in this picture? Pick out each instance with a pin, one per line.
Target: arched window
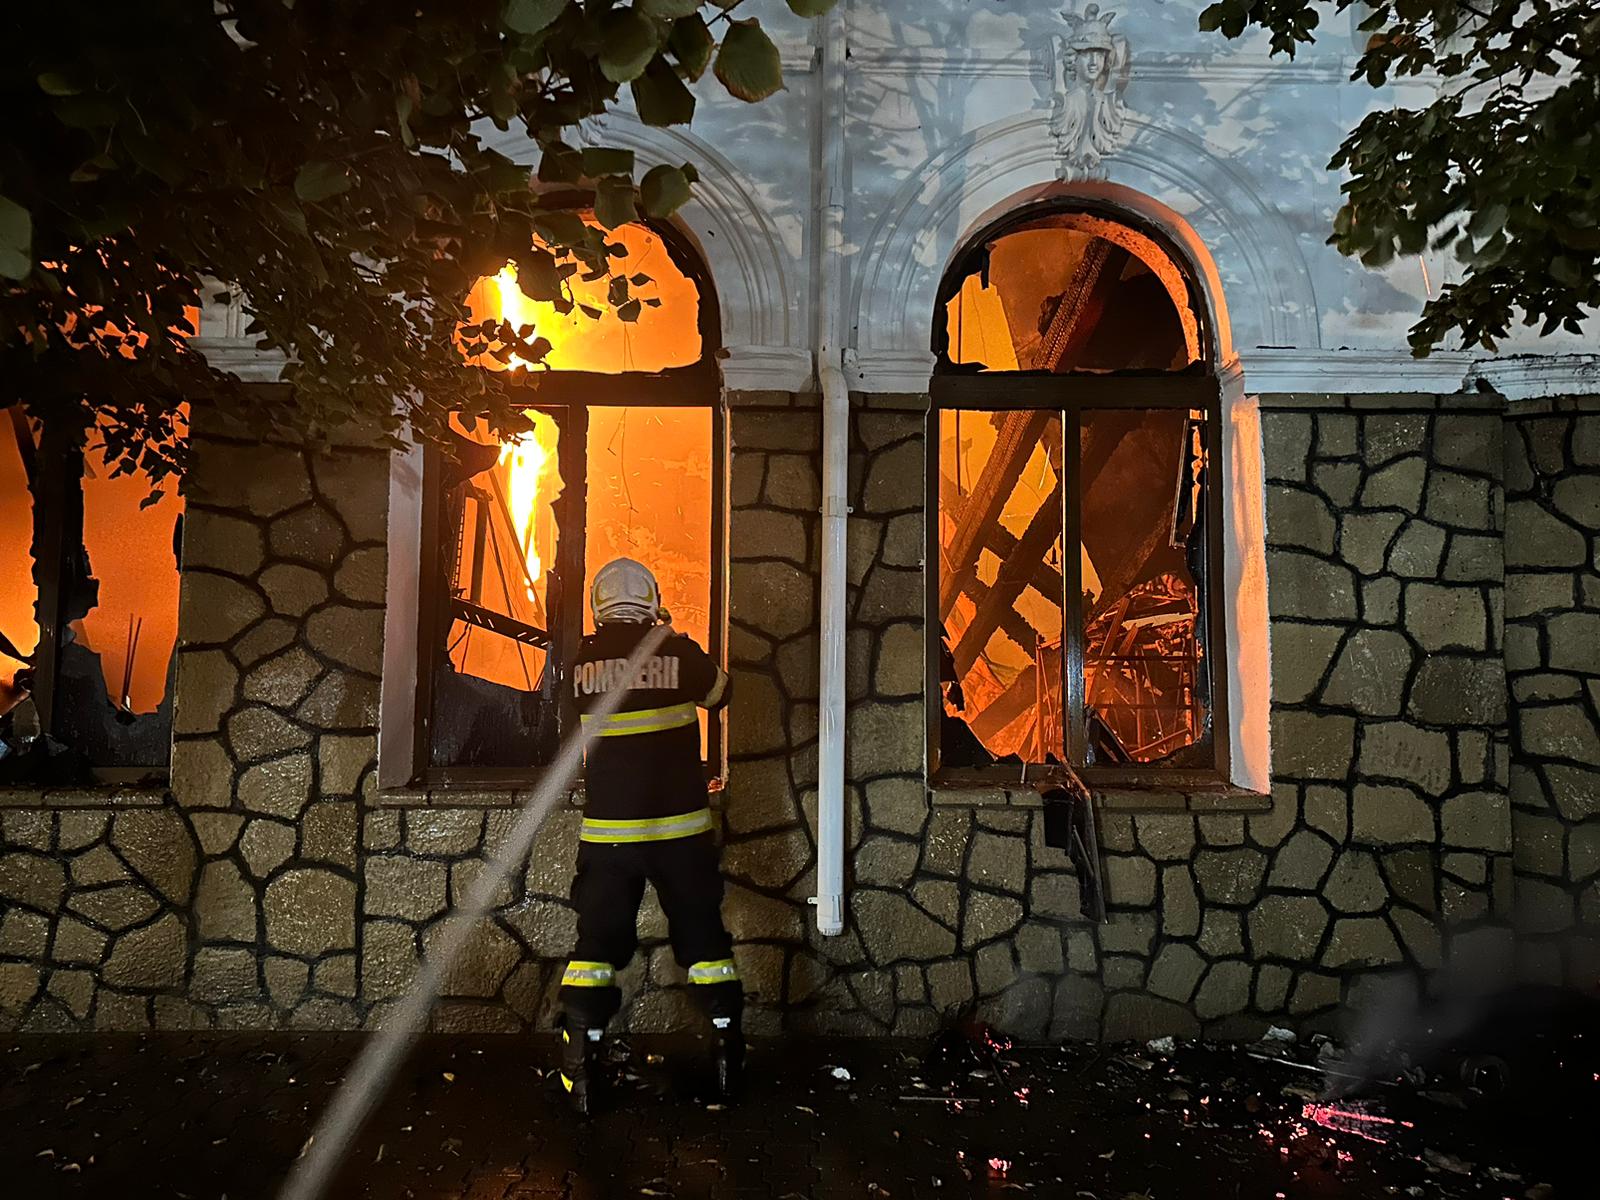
(625, 459)
(1075, 424)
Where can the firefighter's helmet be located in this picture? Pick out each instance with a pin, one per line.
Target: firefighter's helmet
(624, 590)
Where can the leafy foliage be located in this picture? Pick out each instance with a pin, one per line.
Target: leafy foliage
(329, 159)
(1502, 165)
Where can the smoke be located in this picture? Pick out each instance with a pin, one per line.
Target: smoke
(1474, 1002)
(374, 1069)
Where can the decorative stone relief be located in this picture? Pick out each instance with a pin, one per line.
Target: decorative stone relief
(1089, 74)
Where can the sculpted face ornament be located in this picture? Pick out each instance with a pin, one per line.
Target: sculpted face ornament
(1090, 74)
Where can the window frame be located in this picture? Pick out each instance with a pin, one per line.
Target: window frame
(574, 393)
(967, 387)
(59, 460)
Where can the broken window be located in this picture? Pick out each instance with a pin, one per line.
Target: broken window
(623, 459)
(1147, 677)
(1069, 291)
(1074, 553)
(89, 629)
(1000, 583)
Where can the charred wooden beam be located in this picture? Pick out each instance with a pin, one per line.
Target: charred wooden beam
(494, 622)
(1077, 313)
(1014, 444)
(1018, 570)
(1008, 706)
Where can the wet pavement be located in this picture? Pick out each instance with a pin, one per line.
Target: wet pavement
(481, 1118)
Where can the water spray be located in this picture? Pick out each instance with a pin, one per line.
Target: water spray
(374, 1068)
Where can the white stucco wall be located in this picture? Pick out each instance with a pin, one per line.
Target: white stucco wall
(947, 107)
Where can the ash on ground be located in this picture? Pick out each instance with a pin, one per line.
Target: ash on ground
(482, 1117)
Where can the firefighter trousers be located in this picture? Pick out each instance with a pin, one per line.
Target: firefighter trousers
(607, 891)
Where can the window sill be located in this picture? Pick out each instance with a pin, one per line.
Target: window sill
(103, 796)
(1122, 797)
(479, 795)
(486, 794)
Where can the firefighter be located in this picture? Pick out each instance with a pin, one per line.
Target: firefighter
(647, 818)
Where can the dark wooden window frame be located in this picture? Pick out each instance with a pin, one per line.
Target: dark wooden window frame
(969, 388)
(573, 394)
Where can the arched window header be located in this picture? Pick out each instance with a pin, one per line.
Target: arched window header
(1067, 290)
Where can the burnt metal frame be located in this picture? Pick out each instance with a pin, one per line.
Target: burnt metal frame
(571, 394)
(59, 470)
(967, 387)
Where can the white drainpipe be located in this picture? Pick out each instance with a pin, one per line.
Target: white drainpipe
(829, 899)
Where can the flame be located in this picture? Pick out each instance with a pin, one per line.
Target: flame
(515, 307)
(665, 332)
(529, 465)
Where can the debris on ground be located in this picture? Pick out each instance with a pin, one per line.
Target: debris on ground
(1190, 1121)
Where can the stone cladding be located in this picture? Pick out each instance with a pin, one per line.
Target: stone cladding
(274, 885)
(1553, 657)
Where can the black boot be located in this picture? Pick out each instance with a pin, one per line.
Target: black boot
(728, 1052)
(580, 1049)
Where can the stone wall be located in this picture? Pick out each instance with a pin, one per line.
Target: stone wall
(95, 911)
(1553, 657)
(1390, 745)
(276, 886)
(275, 727)
(230, 899)
(1387, 824)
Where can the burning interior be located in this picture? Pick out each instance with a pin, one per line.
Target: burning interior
(1072, 526)
(621, 459)
(89, 617)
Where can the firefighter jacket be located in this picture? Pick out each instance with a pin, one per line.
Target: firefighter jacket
(644, 776)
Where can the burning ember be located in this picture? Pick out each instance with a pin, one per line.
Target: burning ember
(1347, 1119)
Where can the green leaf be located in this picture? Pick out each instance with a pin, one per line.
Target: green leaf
(320, 181)
(158, 157)
(93, 168)
(560, 228)
(16, 240)
(560, 163)
(530, 16)
(810, 8)
(692, 44)
(748, 62)
(664, 190)
(86, 112)
(613, 202)
(631, 41)
(52, 83)
(661, 97)
(1487, 221)
(403, 107)
(537, 275)
(670, 9)
(601, 160)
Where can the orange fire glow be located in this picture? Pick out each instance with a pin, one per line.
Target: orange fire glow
(666, 334)
(506, 568)
(528, 467)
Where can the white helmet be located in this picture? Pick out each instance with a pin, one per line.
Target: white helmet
(624, 590)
